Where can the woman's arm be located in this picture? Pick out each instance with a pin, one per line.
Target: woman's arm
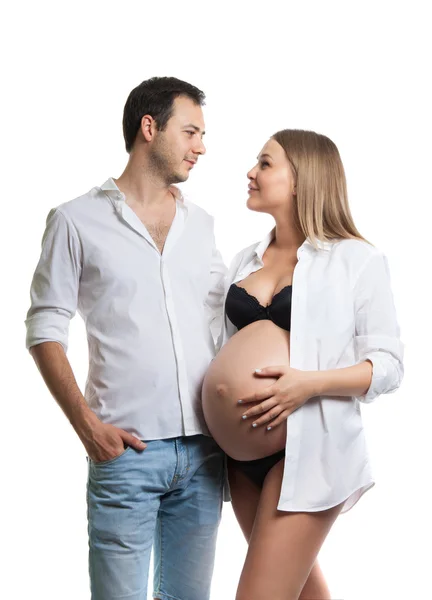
(376, 328)
(348, 381)
(379, 351)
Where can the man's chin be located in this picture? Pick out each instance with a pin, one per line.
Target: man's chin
(178, 178)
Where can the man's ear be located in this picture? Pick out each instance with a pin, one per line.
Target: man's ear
(148, 127)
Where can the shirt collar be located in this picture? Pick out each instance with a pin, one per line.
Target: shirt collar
(324, 245)
(109, 186)
(262, 246)
(118, 197)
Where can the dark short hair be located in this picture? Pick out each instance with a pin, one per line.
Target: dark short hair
(155, 97)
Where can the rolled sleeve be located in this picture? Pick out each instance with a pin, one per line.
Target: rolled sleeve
(54, 289)
(377, 331)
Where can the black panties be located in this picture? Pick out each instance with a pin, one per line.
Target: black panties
(257, 470)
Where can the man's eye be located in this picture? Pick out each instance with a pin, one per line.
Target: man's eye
(190, 132)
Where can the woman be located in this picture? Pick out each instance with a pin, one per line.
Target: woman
(310, 331)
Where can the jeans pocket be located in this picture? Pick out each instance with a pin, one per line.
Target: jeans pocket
(110, 461)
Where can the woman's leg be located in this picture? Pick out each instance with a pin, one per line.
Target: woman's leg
(315, 587)
(245, 497)
(245, 500)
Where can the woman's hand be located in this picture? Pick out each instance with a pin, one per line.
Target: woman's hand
(292, 389)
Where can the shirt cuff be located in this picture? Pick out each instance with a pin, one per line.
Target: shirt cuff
(387, 373)
(47, 327)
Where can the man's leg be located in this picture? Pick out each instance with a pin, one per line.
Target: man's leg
(123, 502)
(189, 517)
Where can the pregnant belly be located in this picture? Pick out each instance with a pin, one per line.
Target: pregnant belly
(230, 377)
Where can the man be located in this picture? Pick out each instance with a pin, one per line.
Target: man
(140, 266)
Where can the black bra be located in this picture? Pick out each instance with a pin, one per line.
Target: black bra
(243, 309)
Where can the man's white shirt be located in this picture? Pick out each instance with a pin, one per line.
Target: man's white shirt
(150, 317)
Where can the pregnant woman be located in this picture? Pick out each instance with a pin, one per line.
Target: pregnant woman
(310, 332)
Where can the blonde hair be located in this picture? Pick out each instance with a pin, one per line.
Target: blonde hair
(323, 211)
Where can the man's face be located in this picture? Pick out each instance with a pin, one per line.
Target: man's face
(175, 151)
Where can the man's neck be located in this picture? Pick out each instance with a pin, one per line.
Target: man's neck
(141, 187)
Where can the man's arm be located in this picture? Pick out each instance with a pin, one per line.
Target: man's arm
(102, 441)
(216, 292)
(54, 297)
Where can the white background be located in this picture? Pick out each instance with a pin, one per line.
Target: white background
(355, 71)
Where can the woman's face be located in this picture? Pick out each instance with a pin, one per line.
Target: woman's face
(271, 181)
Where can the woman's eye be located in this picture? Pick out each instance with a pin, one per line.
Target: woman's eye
(264, 164)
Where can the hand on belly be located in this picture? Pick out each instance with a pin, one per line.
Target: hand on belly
(231, 377)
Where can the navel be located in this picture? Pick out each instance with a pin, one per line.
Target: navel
(221, 390)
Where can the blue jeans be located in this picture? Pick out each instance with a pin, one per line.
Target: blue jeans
(170, 496)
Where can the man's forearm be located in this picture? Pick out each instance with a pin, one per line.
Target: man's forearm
(57, 373)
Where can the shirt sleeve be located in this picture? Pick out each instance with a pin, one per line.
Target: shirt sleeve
(377, 330)
(54, 289)
(227, 329)
(216, 294)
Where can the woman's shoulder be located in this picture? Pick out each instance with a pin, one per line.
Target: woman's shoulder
(241, 258)
(258, 248)
(355, 249)
(245, 252)
(358, 256)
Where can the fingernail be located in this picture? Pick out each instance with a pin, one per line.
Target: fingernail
(268, 428)
(258, 370)
(254, 424)
(239, 401)
(244, 417)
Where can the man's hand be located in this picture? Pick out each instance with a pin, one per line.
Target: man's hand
(102, 441)
(105, 442)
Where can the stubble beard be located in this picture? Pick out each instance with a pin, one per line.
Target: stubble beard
(163, 164)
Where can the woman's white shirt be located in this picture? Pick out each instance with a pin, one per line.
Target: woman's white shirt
(342, 314)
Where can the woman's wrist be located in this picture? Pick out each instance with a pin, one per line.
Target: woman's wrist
(317, 383)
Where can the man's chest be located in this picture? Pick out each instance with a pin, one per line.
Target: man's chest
(158, 231)
(158, 224)
(119, 262)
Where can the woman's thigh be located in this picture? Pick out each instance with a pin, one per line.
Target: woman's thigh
(245, 497)
(283, 546)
